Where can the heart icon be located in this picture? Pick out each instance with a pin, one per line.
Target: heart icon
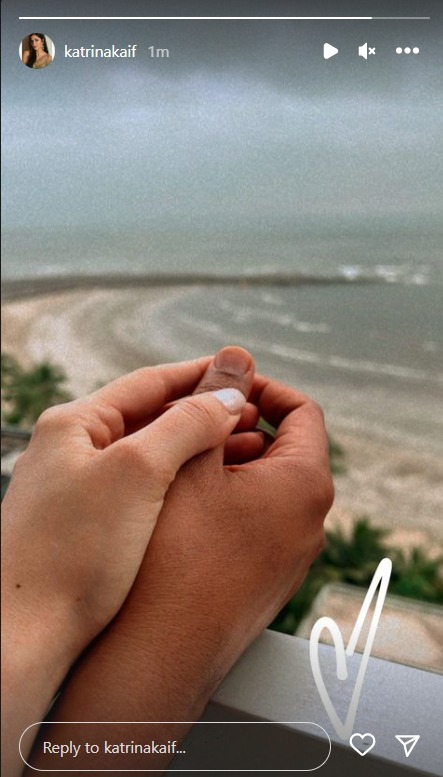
(362, 743)
(381, 577)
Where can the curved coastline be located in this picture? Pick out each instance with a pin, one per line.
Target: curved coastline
(84, 324)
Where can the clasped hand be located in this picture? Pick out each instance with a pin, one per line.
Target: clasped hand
(237, 523)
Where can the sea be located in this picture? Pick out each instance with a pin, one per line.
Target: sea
(353, 316)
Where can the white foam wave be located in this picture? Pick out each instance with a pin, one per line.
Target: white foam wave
(350, 271)
(271, 299)
(389, 273)
(245, 314)
(200, 325)
(305, 326)
(354, 365)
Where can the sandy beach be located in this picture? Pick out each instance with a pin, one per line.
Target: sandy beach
(76, 330)
(84, 331)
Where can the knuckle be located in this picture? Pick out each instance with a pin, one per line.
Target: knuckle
(45, 419)
(21, 460)
(111, 419)
(318, 488)
(134, 457)
(52, 418)
(322, 493)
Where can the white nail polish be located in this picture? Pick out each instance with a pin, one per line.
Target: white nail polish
(231, 398)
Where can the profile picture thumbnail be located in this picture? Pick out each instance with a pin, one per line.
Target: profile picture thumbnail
(37, 50)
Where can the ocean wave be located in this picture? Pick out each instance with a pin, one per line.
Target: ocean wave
(354, 365)
(271, 299)
(243, 314)
(407, 274)
(334, 361)
(187, 326)
(199, 325)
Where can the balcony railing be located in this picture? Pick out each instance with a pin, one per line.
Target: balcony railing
(273, 682)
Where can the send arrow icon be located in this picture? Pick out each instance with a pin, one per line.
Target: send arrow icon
(408, 741)
(329, 51)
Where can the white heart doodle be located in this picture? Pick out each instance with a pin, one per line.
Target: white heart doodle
(381, 577)
(363, 747)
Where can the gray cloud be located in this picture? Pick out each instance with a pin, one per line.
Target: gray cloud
(243, 121)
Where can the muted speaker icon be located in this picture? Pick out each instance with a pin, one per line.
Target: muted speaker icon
(364, 50)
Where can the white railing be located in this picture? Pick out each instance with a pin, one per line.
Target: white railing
(273, 682)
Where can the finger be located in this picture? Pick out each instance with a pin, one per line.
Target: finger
(268, 438)
(243, 447)
(248, 419)
(295, 469)
(231, 367)
(274, 399)
(291, 413)
(129, 401)
(302, 435)
(299, 422)
(192, 426)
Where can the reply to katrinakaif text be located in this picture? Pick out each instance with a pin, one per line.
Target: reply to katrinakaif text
(210, 745)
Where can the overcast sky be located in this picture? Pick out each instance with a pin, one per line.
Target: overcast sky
(244, 120)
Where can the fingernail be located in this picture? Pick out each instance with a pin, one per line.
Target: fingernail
(231, 398)
(234, 361)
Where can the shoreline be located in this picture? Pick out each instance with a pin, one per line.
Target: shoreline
(85, 331)
(18, 288)
(73, 328)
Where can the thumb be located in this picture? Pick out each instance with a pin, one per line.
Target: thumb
(191, 426)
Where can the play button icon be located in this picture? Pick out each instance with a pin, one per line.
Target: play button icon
(329, 51)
